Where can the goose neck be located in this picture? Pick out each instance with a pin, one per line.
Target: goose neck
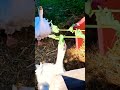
(60, 57)
(40, 13)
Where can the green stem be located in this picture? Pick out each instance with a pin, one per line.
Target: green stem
(69, 37)
(97, 26)
(112, 10)
(68, 30)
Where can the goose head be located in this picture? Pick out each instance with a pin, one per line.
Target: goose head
(40, 12)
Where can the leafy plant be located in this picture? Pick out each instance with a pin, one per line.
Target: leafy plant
(60, 38)
(104, 17)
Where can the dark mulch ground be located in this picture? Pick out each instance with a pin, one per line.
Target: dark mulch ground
(17, 61)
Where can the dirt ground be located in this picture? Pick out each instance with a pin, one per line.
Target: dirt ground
(17, 62)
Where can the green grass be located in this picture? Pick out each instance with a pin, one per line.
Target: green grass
(59, 11)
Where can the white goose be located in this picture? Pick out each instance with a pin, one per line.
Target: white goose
(42, 27)
(46, 72)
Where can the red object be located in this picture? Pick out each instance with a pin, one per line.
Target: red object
(107, 36)
(80, 25)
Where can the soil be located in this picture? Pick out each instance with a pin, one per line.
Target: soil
(17, 61)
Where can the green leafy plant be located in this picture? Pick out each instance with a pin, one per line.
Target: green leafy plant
(60, 38)
(55, 29)
(79, 34)
(104, 18)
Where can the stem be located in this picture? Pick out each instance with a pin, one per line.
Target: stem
(96, 26)
(69, 37)
(112, 10)
(68, 30)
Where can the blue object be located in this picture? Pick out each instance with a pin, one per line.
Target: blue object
(37, 23)
(42, 28)
(74, 84)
